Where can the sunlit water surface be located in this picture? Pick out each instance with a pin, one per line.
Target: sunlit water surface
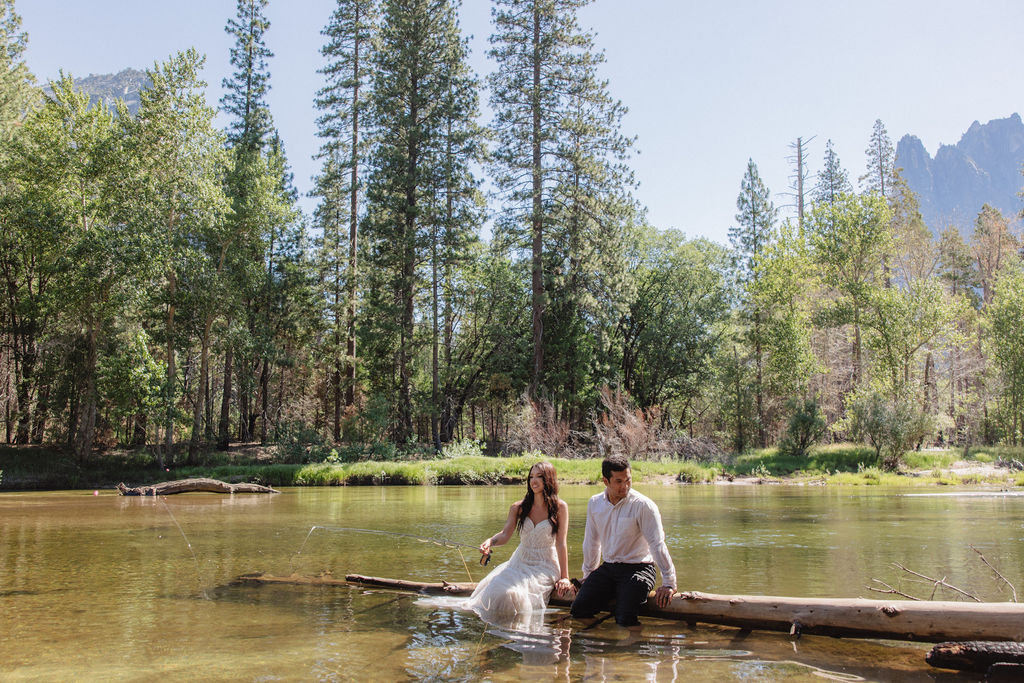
(103, 587)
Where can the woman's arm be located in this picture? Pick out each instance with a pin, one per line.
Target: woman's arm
(563, 585)
(502, 537)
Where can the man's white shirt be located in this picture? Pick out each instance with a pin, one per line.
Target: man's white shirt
(629, 531)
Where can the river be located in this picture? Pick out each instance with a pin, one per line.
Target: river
(95, 586)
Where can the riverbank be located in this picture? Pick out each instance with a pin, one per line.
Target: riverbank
(39, 468)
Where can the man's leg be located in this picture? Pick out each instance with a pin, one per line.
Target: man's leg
(635, 583)
(594, 594)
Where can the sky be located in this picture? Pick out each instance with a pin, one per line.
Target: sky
(708, 84)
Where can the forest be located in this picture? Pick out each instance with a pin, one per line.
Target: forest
(465, 285)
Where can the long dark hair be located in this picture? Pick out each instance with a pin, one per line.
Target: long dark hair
(547, 471)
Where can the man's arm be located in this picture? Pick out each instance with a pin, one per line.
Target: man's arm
(591, 543)
(654, 534)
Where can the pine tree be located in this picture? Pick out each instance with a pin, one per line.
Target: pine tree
(454, 236)
(246, 90)
(412, 77)
(343, 104)
(833, 179)
(750, 239)
(250, 185)
(537, 45)
(881, 162)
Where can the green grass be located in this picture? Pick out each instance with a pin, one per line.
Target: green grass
(28, 467)
(821, 460)
(994, 453)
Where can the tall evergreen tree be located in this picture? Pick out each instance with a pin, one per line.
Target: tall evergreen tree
(833, 179)
(881, 162)
(592, 219)
(454, 235)
(538, 46)
(245, 92)
(342, 103)
(249, 189)
(412, 77)
(750, 239)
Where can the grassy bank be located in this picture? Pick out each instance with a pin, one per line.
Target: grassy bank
(29, 467)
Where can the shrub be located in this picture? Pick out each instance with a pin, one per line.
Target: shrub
(695, 473)
(533, 427)
(298, 443)
(467, 448)
(806, 426)
(890, 427)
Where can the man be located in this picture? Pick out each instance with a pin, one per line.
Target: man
(624, 529)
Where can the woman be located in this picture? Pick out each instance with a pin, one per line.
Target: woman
(540, 563)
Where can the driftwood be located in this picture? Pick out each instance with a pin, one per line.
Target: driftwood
(975, 655)
(187, 485)
(929, 621)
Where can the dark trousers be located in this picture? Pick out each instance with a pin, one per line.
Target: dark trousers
(628, 584)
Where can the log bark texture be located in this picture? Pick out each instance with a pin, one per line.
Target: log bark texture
(927, 621)
(975, 655)
(188, 485)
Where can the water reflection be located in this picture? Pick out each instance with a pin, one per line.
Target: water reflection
(107, 587)
(552, 646)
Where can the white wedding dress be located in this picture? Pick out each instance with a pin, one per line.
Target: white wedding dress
(522, 584)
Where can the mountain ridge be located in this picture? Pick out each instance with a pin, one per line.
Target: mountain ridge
(983, 167)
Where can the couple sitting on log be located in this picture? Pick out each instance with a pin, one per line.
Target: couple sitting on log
(623, 529)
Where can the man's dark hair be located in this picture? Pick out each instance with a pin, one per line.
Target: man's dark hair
(613, 463)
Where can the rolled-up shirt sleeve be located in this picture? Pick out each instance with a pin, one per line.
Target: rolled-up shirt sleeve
(591, 542)
(654, 534)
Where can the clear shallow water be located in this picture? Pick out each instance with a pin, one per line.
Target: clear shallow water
(113, 588)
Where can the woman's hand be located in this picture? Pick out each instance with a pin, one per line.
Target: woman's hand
(485, 549)
(564, 587)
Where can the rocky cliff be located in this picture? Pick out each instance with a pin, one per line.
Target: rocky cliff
(984, 167)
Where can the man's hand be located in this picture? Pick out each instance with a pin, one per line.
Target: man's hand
(663, 596)
(565, 587)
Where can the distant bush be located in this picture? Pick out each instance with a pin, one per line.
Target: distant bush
(805, 428)
(465, 448)
(299, 443)
(891, 427)
(696, 473)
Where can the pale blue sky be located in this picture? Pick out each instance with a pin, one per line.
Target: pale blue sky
(708, 84)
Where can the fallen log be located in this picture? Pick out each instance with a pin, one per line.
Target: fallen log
(928, 621)
(975, 655)
(189, 485)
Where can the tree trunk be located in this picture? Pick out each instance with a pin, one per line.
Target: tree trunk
(975, 655)
(197, 411)
(139, 428)
(171, 380)
(224, 425)
(86, 433)
(264, 398)
(915, 620)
